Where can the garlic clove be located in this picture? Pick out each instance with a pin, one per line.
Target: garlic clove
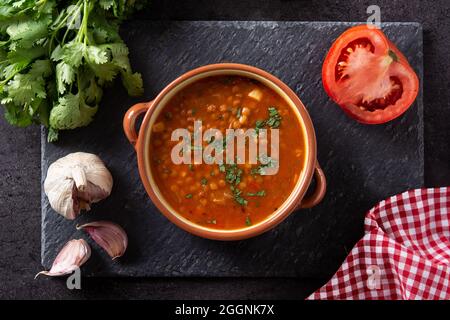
(76, 181)
(72, 256)
(108, 235)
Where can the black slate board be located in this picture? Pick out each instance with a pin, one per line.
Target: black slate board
(363, 164)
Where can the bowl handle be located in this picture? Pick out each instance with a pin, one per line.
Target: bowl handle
(318, 194)
(129, 121)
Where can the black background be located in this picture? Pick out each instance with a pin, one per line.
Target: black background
(20, 157)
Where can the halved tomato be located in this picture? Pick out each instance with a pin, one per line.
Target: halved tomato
(368, 77)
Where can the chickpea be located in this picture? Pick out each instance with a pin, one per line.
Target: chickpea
(236, 102)
(203, 202)
(193, 188)
(235, 124)
(158, 127)
(174, 188)
(173, 173)
(223, 108)
(235, 89)
(222, 183)
(211, 108)
(183, 174)
(243, 119)
(188, 180)
(245, 111)
(213, 186)
(242, 185)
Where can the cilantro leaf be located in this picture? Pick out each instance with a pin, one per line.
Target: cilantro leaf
(70, 112)
(133, 83)
(65, 75)
(25, 33)
(260, 193)
(56, 56)
(73, 53)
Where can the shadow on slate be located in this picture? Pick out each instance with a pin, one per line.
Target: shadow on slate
(364, 164)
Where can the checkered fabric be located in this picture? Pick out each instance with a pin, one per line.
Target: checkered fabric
(405, 253)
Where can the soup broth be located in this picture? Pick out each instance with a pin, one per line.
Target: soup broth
(227, 196)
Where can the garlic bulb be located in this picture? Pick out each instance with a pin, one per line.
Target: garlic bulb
(72, 256)
(76, 181)
(109, 236)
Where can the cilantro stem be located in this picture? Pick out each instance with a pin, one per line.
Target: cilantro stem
(67, 15)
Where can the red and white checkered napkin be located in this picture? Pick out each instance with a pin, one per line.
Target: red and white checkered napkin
(405, 253)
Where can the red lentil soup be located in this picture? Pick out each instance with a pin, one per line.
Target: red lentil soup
(226, 197)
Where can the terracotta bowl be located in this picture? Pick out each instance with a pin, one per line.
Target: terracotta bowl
(141, 141)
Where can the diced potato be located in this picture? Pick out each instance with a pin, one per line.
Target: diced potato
(256, 94)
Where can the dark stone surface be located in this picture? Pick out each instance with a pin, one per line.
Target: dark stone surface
(20, 158)
(378, 160)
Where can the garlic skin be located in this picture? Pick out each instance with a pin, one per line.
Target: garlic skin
(108, 235)
(72, 256)
(76, 181)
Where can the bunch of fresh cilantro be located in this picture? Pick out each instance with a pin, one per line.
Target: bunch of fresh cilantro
(55, 57)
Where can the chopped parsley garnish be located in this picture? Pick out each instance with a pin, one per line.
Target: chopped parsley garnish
(260, 193)
(273, 121)
(193, 111)
(239, 112)
(259, 125)
(261, 169)
(233, 174)
(248, 222)
(233, 177)
(204, 181)
(191, 167)
(188, 196)
(237, 196)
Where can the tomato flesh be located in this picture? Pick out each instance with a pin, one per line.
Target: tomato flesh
(368, 77)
